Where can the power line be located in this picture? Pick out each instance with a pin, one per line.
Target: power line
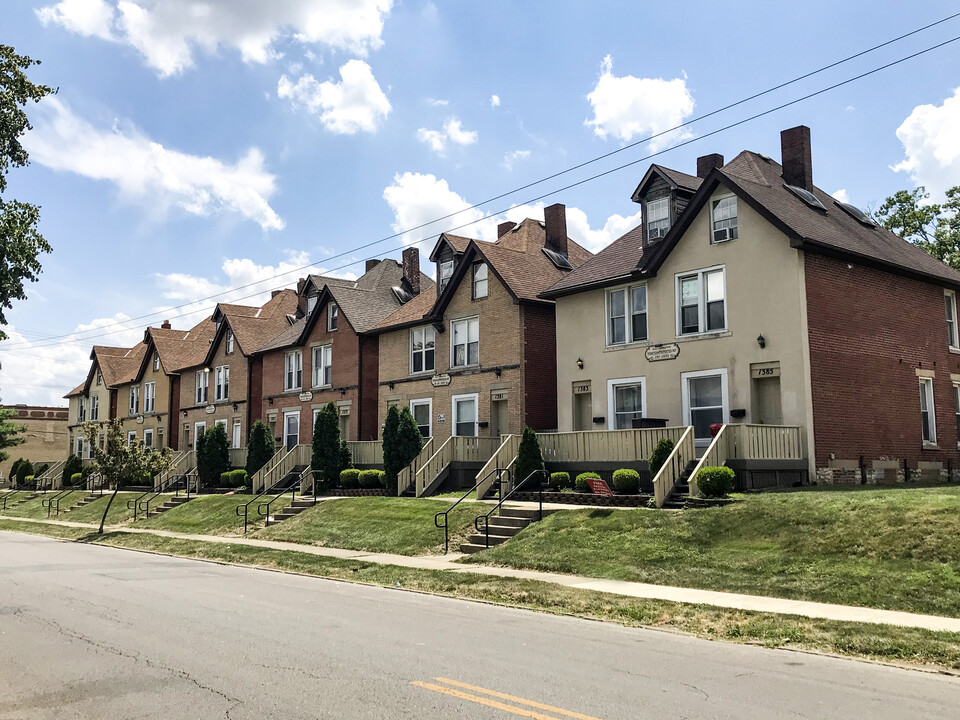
(591, 178)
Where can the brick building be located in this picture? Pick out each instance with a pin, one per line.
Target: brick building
(45, 435)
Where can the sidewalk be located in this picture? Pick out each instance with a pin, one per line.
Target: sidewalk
(735, 601)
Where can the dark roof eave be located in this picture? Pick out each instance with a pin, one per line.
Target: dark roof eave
(586, 287)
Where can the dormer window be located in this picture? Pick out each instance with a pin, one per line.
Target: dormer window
(658, 218)
(446, 272)
(311, 304)
(156, 363)
(229, 342)
(333, 315)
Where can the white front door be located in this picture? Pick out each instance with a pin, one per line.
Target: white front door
(704, 402)
(465, 415)
(291, 429)
(198, 429)
(237, 440)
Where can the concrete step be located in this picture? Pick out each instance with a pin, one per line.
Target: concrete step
(514, 512)
(505, 530)
(506, 521)
(481, 539)
(473, 547)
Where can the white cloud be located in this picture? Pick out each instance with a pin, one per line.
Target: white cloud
(628, 106)
(419, 199)
(435, 102)
(168, 32)
(932, 146)
(841, 195)
(148, 172)
(494, 101)
(452, 132)
(354, 104)
(511, 157)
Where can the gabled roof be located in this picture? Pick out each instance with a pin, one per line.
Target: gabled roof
(78, 390)
(253, 327)
(119, 365)
(457, 242)
(615, 262)
(178, 349)
(674, 178)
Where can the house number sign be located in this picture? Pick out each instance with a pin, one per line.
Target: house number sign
(306, 396)
(210, 409)
(441, 418)
(498, 395)
(581, 389)
(655, 353)
(440, 380)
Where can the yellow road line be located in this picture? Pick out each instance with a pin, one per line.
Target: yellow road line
(512, 698)
(483, 701)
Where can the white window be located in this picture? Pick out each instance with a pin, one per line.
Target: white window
(950, 300)
(293, 370)
(291, 429)
(928, 420)
(237, 436)
(203, 384)
(333, 316)
(311, 303)
(149, 396)
(323, 366)
(221, 382)
(465, 415)
(626, 398)
(82, 410)
(156, 362)
(199, 429)
(78, 450)
(148, 438)
(446, 272)
(658, 218)
(479, 281)
(701, 302)
(131, 437)
(221, 423)
(704, 401)
(422, 411)
(134, 399)
(229, 341)
(99, 378)
(423, 343)
(465, 342)
(724, 217)
(95, 407)
(627, 315)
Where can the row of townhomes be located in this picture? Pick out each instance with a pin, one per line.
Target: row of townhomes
(747, 298)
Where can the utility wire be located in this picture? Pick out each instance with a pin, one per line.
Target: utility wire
(591, 178)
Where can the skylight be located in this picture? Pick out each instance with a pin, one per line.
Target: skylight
(557, 259)
(808, 197)
(856, 213)
(402, 295)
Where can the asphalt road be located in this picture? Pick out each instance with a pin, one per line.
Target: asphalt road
(95, 632)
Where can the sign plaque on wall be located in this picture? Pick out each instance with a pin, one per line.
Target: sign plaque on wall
(581, 388)
(496, 395)
(210, 409)
(441, 418)
(139, 419)
(667, 351)
(440, 380)
(306, 396)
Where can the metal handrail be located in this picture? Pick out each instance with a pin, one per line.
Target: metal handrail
(171, 484)
(252, 500)
(6, 497)
(292, 489)
(135, 503)
(504, 498)
(49, 502)
(436, 518)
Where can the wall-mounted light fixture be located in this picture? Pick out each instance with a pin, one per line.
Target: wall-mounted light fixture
(236, 407)
(390, 385)
(206, 369)
(343, 391)
(498, 371)
(580, 363)
(270, 401)
(184, 413)
(761, 341)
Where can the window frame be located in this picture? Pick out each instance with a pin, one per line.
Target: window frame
(131, 437)
(702, 301)
(956, 395)
(429, 403)
(466, 348)
(453, 413)
(133, 400)
(230, 340)
(926, 395)
(221, 379)
(81, 410)
(78, 444)
(326, 352)
(953, 325)
(423, 351)
(296, 372)
(628, 309)
(648, 221)
(714, 206)
(443, 279)
(685, 398)
(94, 407)
(477, 267)
(149, 397)
(333, 317)
(612, 385)
(156, 362)
(202, 388)
(148, 432)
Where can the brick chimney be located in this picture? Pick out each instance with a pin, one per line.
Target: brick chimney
(795, 157)
(556, 222)
(165, 325)
(706, 163)
(411, 269)
(301, 284)
(274, 293)
(371, 264)
(503, 228)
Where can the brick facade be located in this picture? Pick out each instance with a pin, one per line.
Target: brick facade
(539, 366)
(871, 333)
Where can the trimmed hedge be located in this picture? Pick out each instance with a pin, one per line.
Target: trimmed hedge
(581, 483)
(659, 456)
(234, 479)
(715, 482)
(76, 478)
(350, 478)
(560, 481)
(372, 478)
(626, 481)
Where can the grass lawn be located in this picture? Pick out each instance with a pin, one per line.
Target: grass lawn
(29, 509)
(212, 515)
(893, 548)
(118, 515)
(879, 642)
(381, 524)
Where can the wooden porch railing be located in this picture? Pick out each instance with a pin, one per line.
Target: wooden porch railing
(504, 458)
(238, 457)
(366, 452)
(54, 474)
(299, 455)
(717, 453)
(257, 479)
(612, 445)
(182, 463)
(766, 442)
(683, 452)
(405, 478)
(455, 449)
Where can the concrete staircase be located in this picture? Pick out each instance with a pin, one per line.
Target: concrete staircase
(84, 502)
(677, 499)
(170, 504)
(20, 499)
(292, 510)
(504, 526)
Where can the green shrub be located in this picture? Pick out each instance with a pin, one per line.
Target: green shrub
(382, 476)
(327, 455)
(42, 469)
(226, 479)
(350, 478)
(581, 483)
(260, 448)
(213, 454)
(233, 479)
(29, 478)
(402, 442)
(15, 466)
(24, 470)
(76, 478)
(626, 481)
(659, 456)
(71, 467)
(560, 481)
(715, 482)
(240, 478)
(370, 478)
(529, 458)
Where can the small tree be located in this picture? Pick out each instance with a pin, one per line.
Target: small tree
(260, 448)
(659, 456)
(11, 434)
(409, 438)
(71, 467)
(213, 455)
(529, 457)
(326, 461)
(392, 456)
(24, 469)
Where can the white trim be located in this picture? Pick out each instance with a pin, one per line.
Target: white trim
(321, 349)
(953, 325)
(286, 414)
(612, 384)
(701, 301)
(429, 403)
(149, 397)
(453, 413)
(716, 200)
(199, 428)
(333, 317)
(466, 348)
(290, 374)
(628, 338)
(685, 397)
(423, 352)
(146, 432)
(926, 390)
(236, 439)
(131, 437)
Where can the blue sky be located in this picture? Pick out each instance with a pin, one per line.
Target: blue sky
(197, 146)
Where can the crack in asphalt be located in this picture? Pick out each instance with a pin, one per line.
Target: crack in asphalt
(705, 694)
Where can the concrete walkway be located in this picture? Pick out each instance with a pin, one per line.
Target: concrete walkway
(736, 601)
